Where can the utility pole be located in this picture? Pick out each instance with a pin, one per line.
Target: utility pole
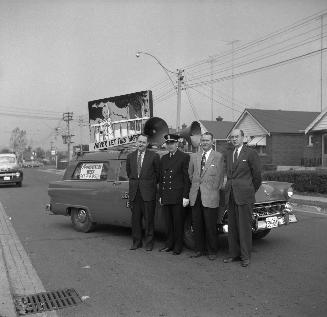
(80, 123)
(321, 59)
(180, 78)
(67, 117)
(233, 45)
(211, 61)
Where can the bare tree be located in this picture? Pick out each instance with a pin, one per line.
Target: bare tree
(18, 142)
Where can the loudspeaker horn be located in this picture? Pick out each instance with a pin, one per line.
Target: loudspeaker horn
(155, 128)
(192, 133)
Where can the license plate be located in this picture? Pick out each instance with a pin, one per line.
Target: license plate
(272, 222)
(6, 178)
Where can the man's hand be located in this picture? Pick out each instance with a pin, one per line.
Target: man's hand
(185, 202)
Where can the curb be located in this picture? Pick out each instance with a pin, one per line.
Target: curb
(17, 270)
(309, 206)
(7, 304)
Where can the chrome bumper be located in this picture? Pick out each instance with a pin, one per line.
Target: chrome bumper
(284, 218)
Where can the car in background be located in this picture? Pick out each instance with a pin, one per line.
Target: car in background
(10, 172)
(32, 164)
(94, 190)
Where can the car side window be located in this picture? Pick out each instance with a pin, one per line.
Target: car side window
(96, 171)
(122, 176)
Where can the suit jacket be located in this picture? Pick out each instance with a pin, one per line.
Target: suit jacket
(174, 184)
(209, 182)
(149, 175)
(243, 176)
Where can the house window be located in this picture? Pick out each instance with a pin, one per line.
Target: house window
(262, 150)
(310, 143)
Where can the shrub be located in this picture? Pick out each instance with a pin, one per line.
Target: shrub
(304, 181)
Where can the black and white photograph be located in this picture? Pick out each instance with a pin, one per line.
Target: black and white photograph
(163, 158)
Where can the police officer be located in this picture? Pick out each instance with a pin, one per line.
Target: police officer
(174, 187)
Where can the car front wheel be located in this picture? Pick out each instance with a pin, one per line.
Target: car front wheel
(81, 220)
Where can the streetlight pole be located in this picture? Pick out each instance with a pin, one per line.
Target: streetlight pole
(180, 78)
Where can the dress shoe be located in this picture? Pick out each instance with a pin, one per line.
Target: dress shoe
(212, 257)
(135, 246)
(231, 259)
(245, 263)
(165, 249)
(196, 255)
(177, 252)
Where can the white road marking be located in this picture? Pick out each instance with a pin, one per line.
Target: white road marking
(22, 275)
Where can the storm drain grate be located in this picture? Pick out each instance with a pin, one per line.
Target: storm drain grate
(40, 302)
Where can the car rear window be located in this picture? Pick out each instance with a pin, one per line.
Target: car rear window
(87, 171)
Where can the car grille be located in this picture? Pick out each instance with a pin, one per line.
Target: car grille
(7, 174)
(268, 209)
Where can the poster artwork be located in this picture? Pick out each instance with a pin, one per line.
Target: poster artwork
(115, 118)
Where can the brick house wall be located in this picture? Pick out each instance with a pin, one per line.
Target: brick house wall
(287, 149)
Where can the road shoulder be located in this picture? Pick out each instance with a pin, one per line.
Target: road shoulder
(22, 278)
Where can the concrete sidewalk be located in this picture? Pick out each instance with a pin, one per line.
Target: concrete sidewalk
(17, 274)
(317, 203)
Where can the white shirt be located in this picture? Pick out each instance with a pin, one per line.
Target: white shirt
(239, 149)
(207, 154)
(142, 156)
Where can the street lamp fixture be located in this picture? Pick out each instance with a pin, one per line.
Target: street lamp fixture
(179, 83)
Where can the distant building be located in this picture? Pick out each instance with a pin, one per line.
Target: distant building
(277, 135)
(220, 130)
(315, 149)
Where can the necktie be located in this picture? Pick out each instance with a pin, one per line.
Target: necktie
(235, 155)
(139, 163)
(203, 161)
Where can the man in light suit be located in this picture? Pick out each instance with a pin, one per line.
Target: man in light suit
(142, 167)
(243, 180)
(206, 172)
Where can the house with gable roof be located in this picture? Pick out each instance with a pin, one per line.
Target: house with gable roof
(315, 151)
(277, 135)
(220, 130)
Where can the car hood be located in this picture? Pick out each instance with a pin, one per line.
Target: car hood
(272, 191)
(8, 166)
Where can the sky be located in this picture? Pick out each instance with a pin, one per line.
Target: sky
(56, 55)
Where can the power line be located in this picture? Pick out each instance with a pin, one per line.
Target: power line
(289, 28)
(258, 58)
(280, 63)
(27, 116)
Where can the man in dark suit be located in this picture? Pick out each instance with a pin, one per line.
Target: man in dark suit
(206, 171)
(142, 167)
(243, 180)
(174, 186)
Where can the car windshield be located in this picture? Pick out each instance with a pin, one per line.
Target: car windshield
(7, 159)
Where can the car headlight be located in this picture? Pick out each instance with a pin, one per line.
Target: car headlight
(290, 192)
(17, 174)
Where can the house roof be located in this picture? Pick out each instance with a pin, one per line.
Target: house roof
(280, 121)
(316, 121)
(219, 129)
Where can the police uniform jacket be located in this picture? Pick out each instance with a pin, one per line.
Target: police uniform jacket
(174, 184)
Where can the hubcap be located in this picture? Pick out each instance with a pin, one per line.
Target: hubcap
(81, 216)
